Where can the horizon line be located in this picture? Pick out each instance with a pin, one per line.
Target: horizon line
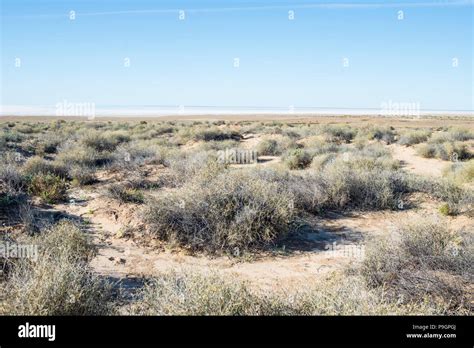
(90, 110)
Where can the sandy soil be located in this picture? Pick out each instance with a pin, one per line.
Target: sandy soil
(416, 164)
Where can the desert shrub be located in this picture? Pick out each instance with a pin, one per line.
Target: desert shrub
(104, 141)
(218, 145)
(216, 134)
(454, 151)
(187, 294)
(452, 135)
(182, 136)
(39, 166)
(125, 194)
(97, 142)
(414, 137)
(163, 129)
(339, 133)
(250, 128)
(359, 162)
(12, 184)
(457, 198)
(59, 282)
(447, 151)
(48, 143)
(292, 133)
(11, 136)
(318, 146)
(320, 161)
(139, 181)
(385, 134)
(461, 172)
(233, 209)
(11, 178)
(297, 158)
(130, 156)
(72, 155)
(188, 164)
(460, 134)
(423, 261)
(349, 184)
(191, 293)
(440, 137)
(272, 129)
(372, 150)
(3, 143)
(427, 150)
(275, 146)
(118, 137)
(268, 147)
(25, 129)
(444, 209)
(369, 157)
(82, 175)
(49, 187)
(343, 184)
(360, 142)
(343, 294)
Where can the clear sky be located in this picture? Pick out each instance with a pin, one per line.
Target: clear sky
(280, 62)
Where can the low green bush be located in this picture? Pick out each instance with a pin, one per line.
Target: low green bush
(39, 166)
(50, 188)
(297, 158)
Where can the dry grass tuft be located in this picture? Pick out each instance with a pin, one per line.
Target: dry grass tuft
(59, 282)
(423, 262)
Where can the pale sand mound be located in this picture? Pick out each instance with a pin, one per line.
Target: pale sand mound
(416, 164)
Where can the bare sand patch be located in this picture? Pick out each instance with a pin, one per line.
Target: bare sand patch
(416, 164)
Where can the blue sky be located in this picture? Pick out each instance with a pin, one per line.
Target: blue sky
(282, 62)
